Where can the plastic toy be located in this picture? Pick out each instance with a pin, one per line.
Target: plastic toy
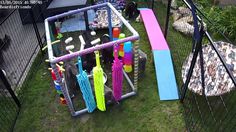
(56, 85)
(85, 87)
(116, 33)
(59, 36)
(98, 84)
(68, 40)
(128, 57)
(62, 100)
(54, 42)
(117, 77)
(82, 42)
(69, 48)
(53, 73)
(58, 33)
(121, 46)
(96, 41)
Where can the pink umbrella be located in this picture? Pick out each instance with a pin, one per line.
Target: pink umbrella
(117, 76)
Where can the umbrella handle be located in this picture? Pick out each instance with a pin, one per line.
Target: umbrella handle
(97, 58)
(116, 54)
(80, 67)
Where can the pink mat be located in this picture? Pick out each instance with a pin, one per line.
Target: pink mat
(155, 35)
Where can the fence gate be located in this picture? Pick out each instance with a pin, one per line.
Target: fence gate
(9, 105)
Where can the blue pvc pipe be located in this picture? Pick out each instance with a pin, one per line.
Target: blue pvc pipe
(110, 23)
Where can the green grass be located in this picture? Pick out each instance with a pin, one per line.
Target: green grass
(41, 110)
(8, 110)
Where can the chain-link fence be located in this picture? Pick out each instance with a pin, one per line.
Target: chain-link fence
(21, 38)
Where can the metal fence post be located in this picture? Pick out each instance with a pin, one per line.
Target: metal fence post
(152, 4)
(109, 23)
(36, 30)
(8, 87)
(167, 18)
(197, 50)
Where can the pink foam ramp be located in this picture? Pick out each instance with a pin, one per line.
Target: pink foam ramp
(155, 35)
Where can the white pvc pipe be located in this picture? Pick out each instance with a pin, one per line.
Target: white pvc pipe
(70, 47)
(93, 33)
(68, 40)
(128, 95)
(85, 110)
(82, 42)
(80, 112)
(96, 41)
(50, 52)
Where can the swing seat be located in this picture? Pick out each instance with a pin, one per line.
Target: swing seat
(217, 80)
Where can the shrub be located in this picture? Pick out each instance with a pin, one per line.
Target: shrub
(224, 19)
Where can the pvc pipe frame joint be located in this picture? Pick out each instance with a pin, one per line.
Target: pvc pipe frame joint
(53, 60)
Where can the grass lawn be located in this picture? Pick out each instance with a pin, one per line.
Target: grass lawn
(9, 110)
(41, 110)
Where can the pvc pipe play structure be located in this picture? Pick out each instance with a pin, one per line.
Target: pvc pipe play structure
(53, 60)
